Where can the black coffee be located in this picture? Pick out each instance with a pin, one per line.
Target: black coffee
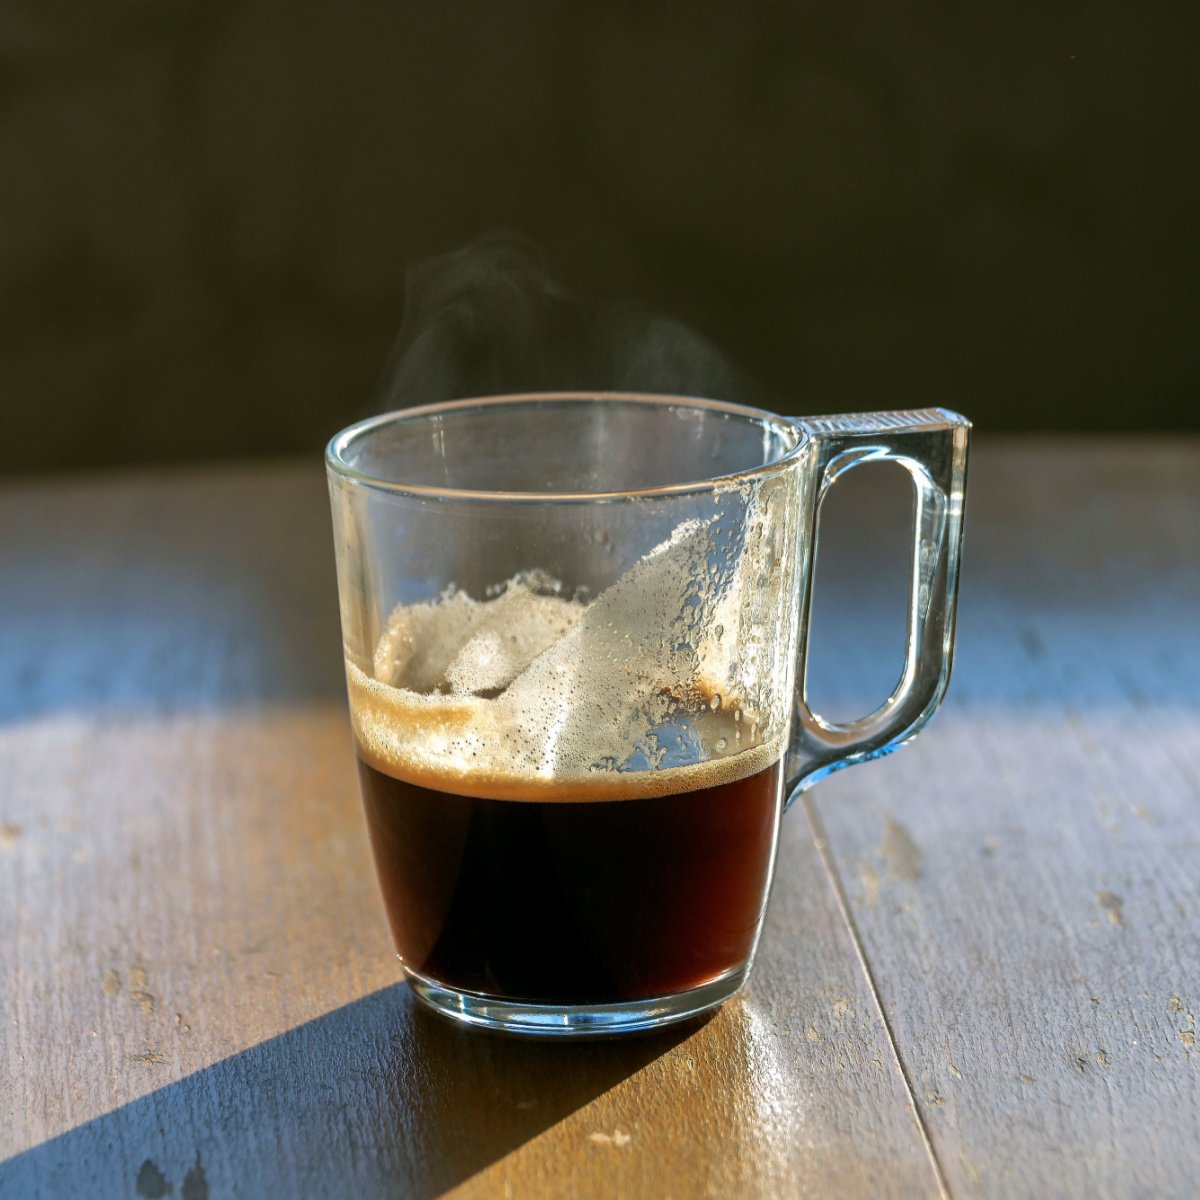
(563, 902)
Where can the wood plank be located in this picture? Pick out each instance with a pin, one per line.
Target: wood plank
(198, 994)
(1025, 878)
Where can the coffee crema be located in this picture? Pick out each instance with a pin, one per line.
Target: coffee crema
(464, 746)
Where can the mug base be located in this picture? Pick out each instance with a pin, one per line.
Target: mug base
(526, 1019)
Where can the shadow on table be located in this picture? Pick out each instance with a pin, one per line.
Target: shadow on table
(376, 1098)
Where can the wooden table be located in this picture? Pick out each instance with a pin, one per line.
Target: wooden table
(981, 969)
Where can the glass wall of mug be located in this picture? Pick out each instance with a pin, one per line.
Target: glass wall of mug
(573, 627)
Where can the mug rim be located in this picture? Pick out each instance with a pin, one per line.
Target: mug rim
(338, 466)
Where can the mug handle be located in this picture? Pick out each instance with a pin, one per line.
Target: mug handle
(931, 444)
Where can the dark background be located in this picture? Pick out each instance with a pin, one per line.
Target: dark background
(210, 208)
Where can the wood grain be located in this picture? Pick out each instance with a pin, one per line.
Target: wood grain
(1025, 879)
(196, 990)
(198, 994)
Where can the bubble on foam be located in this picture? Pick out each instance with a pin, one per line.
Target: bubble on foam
(510, 633)
(529, 691)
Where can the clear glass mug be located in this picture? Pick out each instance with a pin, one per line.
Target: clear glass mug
(573, 629)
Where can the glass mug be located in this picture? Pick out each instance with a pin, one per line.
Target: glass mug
(573, 628)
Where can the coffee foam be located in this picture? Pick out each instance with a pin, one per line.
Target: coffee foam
(469, 646)
(462, 745)
(533, 696)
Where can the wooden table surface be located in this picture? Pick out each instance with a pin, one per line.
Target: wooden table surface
(981, 969)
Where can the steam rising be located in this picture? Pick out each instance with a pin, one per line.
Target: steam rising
(489, 319)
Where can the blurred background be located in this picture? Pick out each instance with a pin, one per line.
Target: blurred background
(232, 226)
